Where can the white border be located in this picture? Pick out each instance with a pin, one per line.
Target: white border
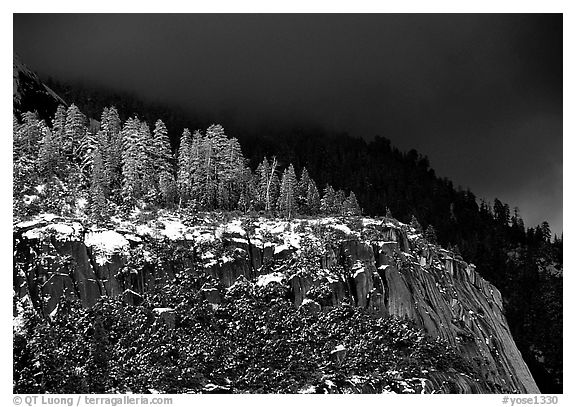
(247, 6)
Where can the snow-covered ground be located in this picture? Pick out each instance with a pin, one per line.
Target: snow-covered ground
(281, 234)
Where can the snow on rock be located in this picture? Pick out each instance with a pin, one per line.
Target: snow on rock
(266, 279)
(226, 259)
(308, 390)
(267, 226)
(160, 311)
(234, 227)
(341, 227)
(338, 348)
(60, 231)
(293, 239)
(133, 238)
(81, 203)
(310, 306)
(207, 255)
(28, 199)
(174, 230)
(54, 311)
(106, 243)
(146, 230)
(201, 236)
(281, 248)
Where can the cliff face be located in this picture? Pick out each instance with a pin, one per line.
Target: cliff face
(382, 266)
(30, 93)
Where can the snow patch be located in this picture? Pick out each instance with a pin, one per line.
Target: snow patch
(105, 244)
(338, 348)
(342, 228)
(81, 203)
(61, 231)
(281, 248)
(174, 230)
(28, 199)
(160, 311)
(235, 227)
(266, 279)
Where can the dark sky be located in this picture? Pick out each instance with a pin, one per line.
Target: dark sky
(479, 94)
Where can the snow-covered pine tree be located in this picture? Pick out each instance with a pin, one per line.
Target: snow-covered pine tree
(214, 146)
(48, 160)
(288, 192)
(111, 125)
(184, 167)
(312, 198)
(328, 200)
(197, 176)
(75, 131)
(339, 199)
(28, 135)
(302, 191)
(351, 206)
(389, 213)
(248, 195)
(273, 191)
(230, 174)
(146, 153)
(58, 127)
(163, 162)
(261, 175)
(98, 204)
(161, 151)
(415, 224)
(272, 186)
(131, 177)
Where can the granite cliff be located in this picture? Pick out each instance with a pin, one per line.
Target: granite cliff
(380, 265)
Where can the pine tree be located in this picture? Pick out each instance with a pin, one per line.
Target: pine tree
(269, 183)
(328, 200)
(161, 152)
(262, 173)
(351, 206)
(184, 166)
(430, 235)
(273, 190)
(112, 126)
(98, 204)
(230, 174)
(287, 201)
(339, 199)
(415, 224)
(28, 135)
(196, 169)
(74, 130)
(389, 213)
(131, 176)
(58, 127)
(146, 155)
(546, 233)
(302, 191)
(313, 199)
(162, 162)
(48, 158)
(456, 251)
(216, 150)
